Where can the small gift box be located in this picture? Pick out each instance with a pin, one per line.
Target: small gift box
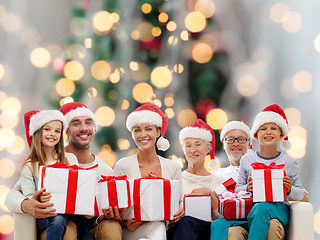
(113, 192)
(228, 185)
(72, 188)
(268, 182)
(235, 205)
(198, 206)
(154, 198)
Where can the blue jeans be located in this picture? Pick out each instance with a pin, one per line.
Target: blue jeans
(56, 226)
(189, 228)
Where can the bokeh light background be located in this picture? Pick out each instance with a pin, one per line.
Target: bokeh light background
(273, 54)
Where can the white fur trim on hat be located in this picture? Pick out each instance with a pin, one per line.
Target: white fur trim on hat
(43, 117)
(163, 144)
(233, 125)
(212, 163)
(143, 117)
(192, 132)
(269, 117)
(80, 112)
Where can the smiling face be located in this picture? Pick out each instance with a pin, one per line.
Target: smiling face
(269, 134)
(51, 133)
(195, 150)
(81, 132)
(235, 150)
(145, 136)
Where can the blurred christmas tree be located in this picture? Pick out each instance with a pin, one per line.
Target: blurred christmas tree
(124, 53)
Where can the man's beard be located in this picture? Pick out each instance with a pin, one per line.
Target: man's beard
(79, 146)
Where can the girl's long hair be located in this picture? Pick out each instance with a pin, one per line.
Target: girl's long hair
(37, 153)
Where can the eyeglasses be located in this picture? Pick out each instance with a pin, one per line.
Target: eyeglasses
(240, 140)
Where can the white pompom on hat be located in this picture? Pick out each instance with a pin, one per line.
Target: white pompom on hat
(234, 125)
(201, 130)
(35, 119)
(150, 114)
(76, 109)
(273, 114)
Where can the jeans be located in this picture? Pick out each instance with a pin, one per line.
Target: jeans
(56, 226)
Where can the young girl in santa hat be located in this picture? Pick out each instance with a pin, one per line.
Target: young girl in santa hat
(44, 131)
(146, 124)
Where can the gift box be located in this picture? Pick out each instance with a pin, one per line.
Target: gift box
(228, 185)
(154, 198)
(235, 205)
(113, 192)
(268, 182)
(72, 188)
(198, 206)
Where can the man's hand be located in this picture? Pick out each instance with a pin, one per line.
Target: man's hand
(131, 224)
(37, 209)
(114, 213)
(178, 215)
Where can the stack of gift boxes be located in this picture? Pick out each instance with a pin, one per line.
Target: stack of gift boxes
(75, 190)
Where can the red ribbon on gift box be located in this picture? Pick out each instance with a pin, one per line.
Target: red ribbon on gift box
(268, 179)
(72, 183)
(166, 196)
(112, 189)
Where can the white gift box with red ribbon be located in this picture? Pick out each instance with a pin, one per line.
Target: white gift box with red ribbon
(268, 183)
(154, 198)
(198, 206)
(72, 188)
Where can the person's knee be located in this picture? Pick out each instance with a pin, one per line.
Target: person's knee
(108, 230)
(259, 209)
(238, 233)
(276, 230)
(71, 231)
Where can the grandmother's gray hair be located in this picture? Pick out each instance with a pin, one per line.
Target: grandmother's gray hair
(208, 143)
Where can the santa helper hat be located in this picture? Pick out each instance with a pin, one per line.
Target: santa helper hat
(273, 114)
(150, 114)
(234, 125)
(35, 119)
(76, 109)
(199, 129)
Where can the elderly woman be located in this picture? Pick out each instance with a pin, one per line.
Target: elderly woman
(197, 141)
(146, 124)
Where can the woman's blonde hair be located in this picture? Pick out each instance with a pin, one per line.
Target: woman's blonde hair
(37, 154)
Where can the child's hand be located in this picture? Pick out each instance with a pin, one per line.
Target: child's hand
(287, 182)
(249, 184)
(45, 197)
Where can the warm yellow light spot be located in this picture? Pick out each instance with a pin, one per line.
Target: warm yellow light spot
(134, 66)
(135, 35)
(4, 190)
(40, 57)
(7, 137)
(184, 35)
(202, 53)
(169, 112)
(217, 118)
(163, 17)
(2, 71)
(178, 68)
(298, 139)
(206, 163)
(247, 85)
(102, 21)
(156, 31)
(291, 22)
(180, 161)
(92, 92)
(169, 100)
(11, 106)
(17, 146)
(316, 222)
(88, 43)
(293, 116)
(123, 144)
(186, 117)
(3, 96)
(143, 92)
(100, 70)
(125, 104)
(157, 102)
(115, 17)
(146, 8)
(171, 26)
(206, 7)
(66, 100)
(73, 70)
(316, 43)
(145, 32)
(114, 77)
(7, 167)
(108, 156)
(9, 121)
(6, 224)
(172, 40)
(277, 11)
(302, 81)
(195, 22)
(161, 77)
(105, 116)
(65, 87)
